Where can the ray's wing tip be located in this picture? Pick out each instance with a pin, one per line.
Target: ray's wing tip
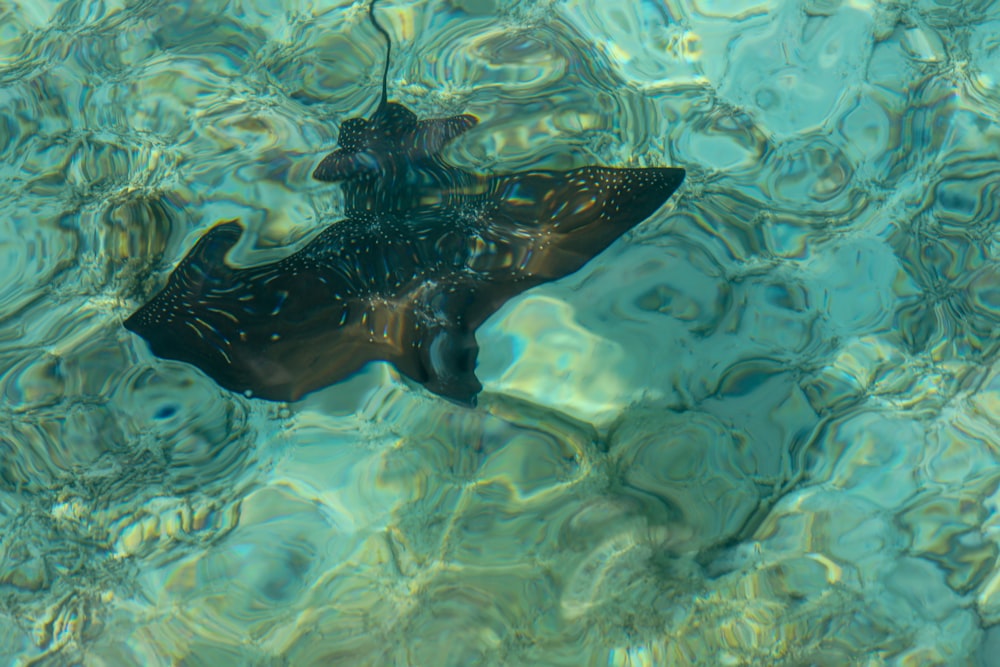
(231, 227)
(665, 180)
(130, 323)
(674, 176)
(139, 324)
(666, 173)
(220, 237)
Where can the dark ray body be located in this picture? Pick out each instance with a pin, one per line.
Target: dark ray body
(426, 253)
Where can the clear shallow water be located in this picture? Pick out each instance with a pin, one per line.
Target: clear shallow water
(762, 429)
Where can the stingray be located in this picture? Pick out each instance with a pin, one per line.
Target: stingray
(425, 254)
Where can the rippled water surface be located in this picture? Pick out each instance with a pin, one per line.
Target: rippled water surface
(762, 429)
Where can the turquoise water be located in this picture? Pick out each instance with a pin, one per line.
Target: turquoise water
(761, 429)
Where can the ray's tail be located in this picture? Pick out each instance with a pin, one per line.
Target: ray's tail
(388, 54)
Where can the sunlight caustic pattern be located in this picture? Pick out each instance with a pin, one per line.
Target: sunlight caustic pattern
(760, 429)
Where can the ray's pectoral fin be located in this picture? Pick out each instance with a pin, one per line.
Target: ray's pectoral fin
(202, 269)
(581, 212)
(390, 141)
(570, 201)
(207, 259)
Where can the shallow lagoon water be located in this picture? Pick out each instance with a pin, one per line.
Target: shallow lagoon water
(760, 429)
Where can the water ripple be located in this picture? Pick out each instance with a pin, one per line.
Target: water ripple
(759, 430)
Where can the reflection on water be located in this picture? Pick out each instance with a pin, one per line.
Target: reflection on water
(761, 429)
